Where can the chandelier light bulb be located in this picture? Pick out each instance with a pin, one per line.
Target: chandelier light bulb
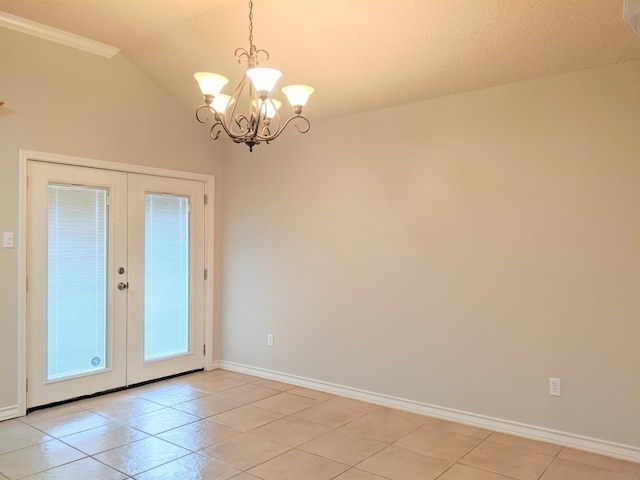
(263, 78)
(210, 83)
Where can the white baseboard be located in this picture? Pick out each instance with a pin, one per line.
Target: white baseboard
(9, 412)
(565, 439)
(216, 364)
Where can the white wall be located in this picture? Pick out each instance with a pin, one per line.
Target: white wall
(65, 101)
(456, 252)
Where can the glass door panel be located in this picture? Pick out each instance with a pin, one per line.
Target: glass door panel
(77, 319)
(166, 279)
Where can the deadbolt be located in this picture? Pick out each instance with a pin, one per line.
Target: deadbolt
(121, 270)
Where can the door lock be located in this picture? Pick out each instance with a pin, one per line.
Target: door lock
(123, 286)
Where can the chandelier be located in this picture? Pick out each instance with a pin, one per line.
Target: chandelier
(254, 118)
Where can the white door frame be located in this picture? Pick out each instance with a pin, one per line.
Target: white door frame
(27, 155)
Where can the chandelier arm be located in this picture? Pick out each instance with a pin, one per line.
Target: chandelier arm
(227, 130)
(220, 125)
(239, 119)
(305, 128)
(245, 132)
(276, 117)
(235, 100)
(231, 117)
(203, 108)
(215, 130)
(264, 123)
(265, 131)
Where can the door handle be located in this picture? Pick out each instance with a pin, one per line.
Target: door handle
(123, 286)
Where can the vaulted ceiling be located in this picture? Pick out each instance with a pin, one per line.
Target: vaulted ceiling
(359, 55)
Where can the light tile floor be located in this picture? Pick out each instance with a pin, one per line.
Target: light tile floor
(222, 425)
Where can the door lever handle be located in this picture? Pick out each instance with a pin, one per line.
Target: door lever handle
(123, 286)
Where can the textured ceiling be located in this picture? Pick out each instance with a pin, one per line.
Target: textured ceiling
(359, 55)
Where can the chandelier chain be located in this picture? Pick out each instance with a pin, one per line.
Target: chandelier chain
(251, 25)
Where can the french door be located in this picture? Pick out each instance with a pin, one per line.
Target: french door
(115, 279)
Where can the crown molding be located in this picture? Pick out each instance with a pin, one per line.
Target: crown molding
(56, 35)
(632, 14)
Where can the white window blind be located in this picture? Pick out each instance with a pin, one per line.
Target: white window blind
(166, 282)
(77, 280)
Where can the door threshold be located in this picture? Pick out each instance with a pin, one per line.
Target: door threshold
(112, 390)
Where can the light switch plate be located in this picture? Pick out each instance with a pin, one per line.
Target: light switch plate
(7, 240)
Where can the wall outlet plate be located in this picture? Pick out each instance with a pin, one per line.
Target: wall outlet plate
(555, 387)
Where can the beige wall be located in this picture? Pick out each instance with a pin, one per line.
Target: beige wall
(456, 252)
(61, 100)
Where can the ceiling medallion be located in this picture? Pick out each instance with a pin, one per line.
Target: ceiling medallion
(254, 119)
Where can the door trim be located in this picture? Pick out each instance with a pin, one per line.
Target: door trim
(210, 316)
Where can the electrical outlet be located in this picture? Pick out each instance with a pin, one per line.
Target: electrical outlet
(555, 387)
(269, 339)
